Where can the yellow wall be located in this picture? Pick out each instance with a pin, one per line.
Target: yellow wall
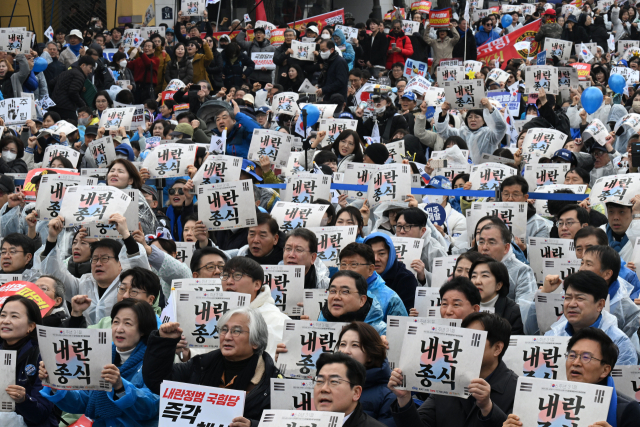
(22, 8)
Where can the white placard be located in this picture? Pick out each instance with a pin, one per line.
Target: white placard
(359, 174)
(389, 183)
(427, 302)
(132, 37)
(298, 215)
(51, 193)
(541, 204)
(498, 75)
(627, 380)
(192, 7)
(53, 151)
(618, 189)
(15, 111)
(273, 144)
(86, 204)
(333, 127)
(396, 151)
(7, 378)
(103, 151)
(101, 231)
(450, 74)
(541, 142)
(193, 284)
(184, 252)
(549, 309)
(218, 168)
(306, 187)
(303, 51)
(408, 27)
(271, 417)
(227, 205)
(489, 176)
(74, 358)
(263, 60)
(331, 240)
(563, 267)
(314, 300)
(541, 76)
(597, 130)
(536, 356)
(292, 394)
(170, 160)
(558, 48)
(539, 174)
(114, 118)
(451, 171)
(434, 96)
(539, 249)
(287, 285)
(513, 214)
(147, 32)
(442, 270)
(285, 102)
(466, 94)
(407, 250)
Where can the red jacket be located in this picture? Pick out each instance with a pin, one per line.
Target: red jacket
(404, 43)
(140, 68)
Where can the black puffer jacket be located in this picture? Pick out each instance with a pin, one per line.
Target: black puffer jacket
(182, 70)
(395, 122)
(67, 89)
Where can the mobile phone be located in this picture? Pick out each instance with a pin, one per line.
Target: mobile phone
(635, 154)
(393, 45)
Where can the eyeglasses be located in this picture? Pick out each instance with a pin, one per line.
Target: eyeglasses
(298, 250)
(482, 242)
(103, 259)
(173, 191)
(11, 252)
(211, 267)
(133, 292)
(508, 196)
(333, 381)
(343, 292)
(569, 224)
(404, 228)
(235, 331)
(344, 265)
(236, 276)
(599, 153)
(585, 357)
(488, 25)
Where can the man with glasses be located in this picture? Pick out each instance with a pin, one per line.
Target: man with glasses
(603, 157)
(590, 358)
(571, 219)
(208, 263)
(338, 387)
(486, 33)
(301, 248)
(17, 254)
(108, 256)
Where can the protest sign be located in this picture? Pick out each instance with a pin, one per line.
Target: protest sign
(451, 171)
(86, 204)
(549, 309)
(503, 49)
(7, 378)
(631, 76)
(490, 158)
(418, 85)
(170, 160)
(273, 144)
(627, 380)
(440, 18)
(442, 270)
(350, 33)
(271, 417)
(561, 49)
(568, 77)
(560, 402)
(434, 96)
(287, 284)
(292, 394)
(541, 204)
(450, 74)
(623, 45)
(74, 358)
(583, 70)
(326, 110)
(314, 300)
(323, 20)
(29, 188)
(333, 127)
(12, 284)
(389, 183)
(297, 215)
(132, 38)
(263, 60)
(541, 142)
(407, 250)
(540, 248)
(207, 285)
(114, 118)
(53, 151)
(421, 6)
(100, 231)
(618, 189)
(440, 359)
(306, 187)
(630, 121)
(51, 192)
(396, 152)
(198, 313)
(408, 27)
(303, 51)
(478, 14)
(184, 252)
(489, 176)
(359, 174)
(15, 40)
(15, 111)
(220, 205)
(103, 151)
(192, 7)
(428, 302)
(414, 68)
(497, 75)
(538, 357)
(149, 14)
(539, 174)
(306, 340)
(331, 240)
(147, 32)
(541, 76)
(513, 214)
(175, 85)
(597, 131)
(186, 405)
(466, 94)
(471, 66)
(218, 168)
(563, 267)
(510, 100)
(396, 327)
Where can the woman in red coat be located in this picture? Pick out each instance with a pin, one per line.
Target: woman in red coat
(402, 43)
(145, 72)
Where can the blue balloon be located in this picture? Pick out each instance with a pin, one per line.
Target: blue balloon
(617, 83)
(40, 64)
(506, 20)
(591, 99)
(313, 114)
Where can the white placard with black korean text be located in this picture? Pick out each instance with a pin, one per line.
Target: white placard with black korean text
(7, 378)
(270, 143)
(597, 131)
(490, 158)
(192, 7)
(287, 285)
(100, 231)
(558, 48)
(536, 356)
(450, 172)
(618, 189)
(132, 37)
(540, 174)
(186, 405)
(513, 214)
(541, 204)
(465, 95)
(331, 240)
(568, 77)
(303, 51)
(306, 187)
(427, 302)
(51, 193)
(434, 96)
(285, 102)
(550, 402)
(197, 284)
(450, 74)
(170, 160)
(627, 380)
(442, 270)
(420, 85)
(103, 151)
(397, 326)
(85, 204)
(218, 168)
(390, 183)
(549, 309)
(53, 151)
(16, 40)
(184, 252)
(623, 45)
(314, 300)
(333, 127)
(396, 150)
(306, 340)
(541, 76)
(408, 250)
(359, 174)
(227, 205)
(541, 142)
(540, 249)
(563, 267)
(74, 358)
(292, 394)
(489, 176)
(114, 118)
(198, 313)
(147, 32)
(263, 60)
(498, 75)
(440, 359)
(298, 215)
(15, 111)
(271, 417)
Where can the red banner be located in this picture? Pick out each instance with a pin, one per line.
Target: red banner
(440, 18)
(503, 49)
(583, 70)
(168, 94)
(421, 6)
(27, 290)
(495, 9)
(330, 18)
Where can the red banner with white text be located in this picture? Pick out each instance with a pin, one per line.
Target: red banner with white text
(504, 49)
(330, 18)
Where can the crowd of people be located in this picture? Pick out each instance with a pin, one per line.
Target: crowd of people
(218, 91)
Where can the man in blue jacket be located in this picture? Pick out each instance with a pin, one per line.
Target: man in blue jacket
(335, 71)
(239, 128)
(393, 272)
(486, 33)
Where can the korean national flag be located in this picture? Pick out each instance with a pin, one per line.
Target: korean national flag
(49, 33)
(585, 53)
(218, 143)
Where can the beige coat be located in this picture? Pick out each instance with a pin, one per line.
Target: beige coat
(441, 49)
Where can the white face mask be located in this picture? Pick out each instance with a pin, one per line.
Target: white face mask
(123, 63)
(386, 30)
(83, 121)
(379, 110)
(531, 116)
(433, 199)
(325, 55)
(325, 36)
(8, 156)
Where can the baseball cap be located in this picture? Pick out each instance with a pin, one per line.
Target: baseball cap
(345, 115)
(263, 110)
(564, 154)
(248, 98)
(147, 189)
(91, 130)
(249, 167)
(183, 128)
(409, 95)
(168, 30)
(6, 184)
(598, 147)
(125, 150)
(440, 182)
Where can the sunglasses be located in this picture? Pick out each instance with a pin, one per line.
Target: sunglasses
(173, 191)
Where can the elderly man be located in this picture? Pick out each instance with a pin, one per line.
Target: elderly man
(74, 49)
(301, 248)
(239, 129)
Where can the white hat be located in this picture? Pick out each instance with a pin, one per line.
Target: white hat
(313, 28)
(76, 33)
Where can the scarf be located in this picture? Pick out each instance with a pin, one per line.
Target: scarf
(75, 49)
(99, 405)
(614, 243)
(359, 315)
(613, 406)
(242, 371)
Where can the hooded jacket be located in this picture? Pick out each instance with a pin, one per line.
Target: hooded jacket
(396, 275)
(348, 53)
(618, 112)
(254, 46)
(404, 44)
(375, 317)
(12, 85)
(483, 37)
(376, 397)
(390, 302)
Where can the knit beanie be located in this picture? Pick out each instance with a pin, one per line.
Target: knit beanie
(378, 153)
